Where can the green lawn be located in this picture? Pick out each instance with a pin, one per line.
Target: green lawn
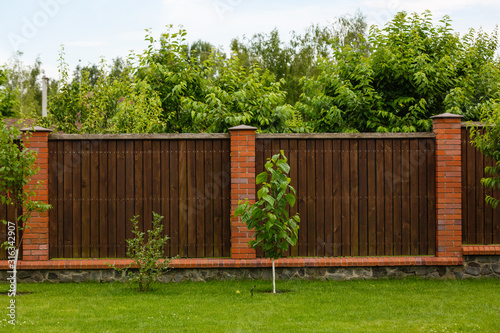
(409, 305)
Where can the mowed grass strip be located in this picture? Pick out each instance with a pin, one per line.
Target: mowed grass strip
(407, 305)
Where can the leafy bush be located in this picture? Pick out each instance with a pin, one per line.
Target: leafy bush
(146, 253)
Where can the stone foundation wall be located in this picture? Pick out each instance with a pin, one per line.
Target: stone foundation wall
(474, 267)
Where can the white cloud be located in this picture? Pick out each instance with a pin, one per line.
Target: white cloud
(86, 43)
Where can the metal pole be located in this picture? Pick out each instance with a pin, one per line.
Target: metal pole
(44, 95)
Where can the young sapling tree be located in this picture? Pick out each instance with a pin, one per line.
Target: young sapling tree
(275, 230)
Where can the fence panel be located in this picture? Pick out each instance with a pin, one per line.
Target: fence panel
(98, 185)
(481, 223)
(370, 195)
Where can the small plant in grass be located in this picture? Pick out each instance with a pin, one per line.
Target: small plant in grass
(147, 255)
(275, 230)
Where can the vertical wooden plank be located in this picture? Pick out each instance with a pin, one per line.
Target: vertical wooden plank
(53, 166)
(3, 230)
(112, 175)
(294, 165)
(147, 217)
(131, 192)
(422, 196)
(496, 217)
(389, 190)
(226, 204)
(372, 198)
(465, 222)
(68, 200)
(488, 209)
(156, 176)
(471, 195)
(217, 197)
(165, 190)
(337, 197)
(414, 196)
(379, 165)
(363, 200)
(200, 199)
(179, 203)
(431, 188)
(103, 193)
(405, 191)
(320, 198)
(77, 199)
(86, 196)
(346, 186)
(139, 182)
(479, 198)
(191, 177)
(302, 196)
(208, 187)
(397, 200)
(354, 196)
(94, 199)
(328, 181)
(311, 196)
(283, 145)
(126, 192)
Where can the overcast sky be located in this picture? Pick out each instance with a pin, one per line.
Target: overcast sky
(94, 28)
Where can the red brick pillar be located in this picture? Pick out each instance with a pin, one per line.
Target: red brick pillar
(242, 187)
(36, 237)
(447, 128)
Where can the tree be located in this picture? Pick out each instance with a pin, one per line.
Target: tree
(488, 143)
(275, 230)
(8, 96)
(412, 71)
(16, 172)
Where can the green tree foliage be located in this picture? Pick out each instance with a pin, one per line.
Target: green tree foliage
(413, 70)
(112, 102)
(488, 143)
(8, 96)
(274, 229)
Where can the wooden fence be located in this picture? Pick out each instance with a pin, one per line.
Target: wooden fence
(98, 182)
(360, 196)
(481, 223)
(7, 213)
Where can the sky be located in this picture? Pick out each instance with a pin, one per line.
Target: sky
(93, 29)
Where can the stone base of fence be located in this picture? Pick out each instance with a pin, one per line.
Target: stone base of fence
(473, 267)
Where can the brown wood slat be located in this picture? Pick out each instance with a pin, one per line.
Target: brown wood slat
(111, 193)
(86, 196)
(302, 196)
(217, 198)
(414, 197)
(465, 224)
(126, 192)
(294, 171)
(363, 200)
(354, 196)
(103, 193)
(147, 216)
(397, 182)
(208, 187)
(94, 199)
(283, 145)
(139, 182)
(337, 197)
(311, 193)
(191, 202)
(471, 196)
(200, 199)
(405, 193)
(320, 199)
(181, 227)
(388, 197)
(68, 200)
(53, 169)
(346, 217)
(479, 209)
(165, 190)
(226, 203)
(176, 209)
(77, 199)
(379, 178)
(156, 176)
(328, 194)
(422, 197)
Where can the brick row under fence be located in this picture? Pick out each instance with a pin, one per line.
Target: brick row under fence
(358, 195)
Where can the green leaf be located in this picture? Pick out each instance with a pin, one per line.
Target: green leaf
(290, 198)
(261, 177)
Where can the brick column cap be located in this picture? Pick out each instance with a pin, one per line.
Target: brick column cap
(242, 127)
(447, 115)
(36, 129)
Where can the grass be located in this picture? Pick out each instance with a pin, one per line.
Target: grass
(408, 305)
